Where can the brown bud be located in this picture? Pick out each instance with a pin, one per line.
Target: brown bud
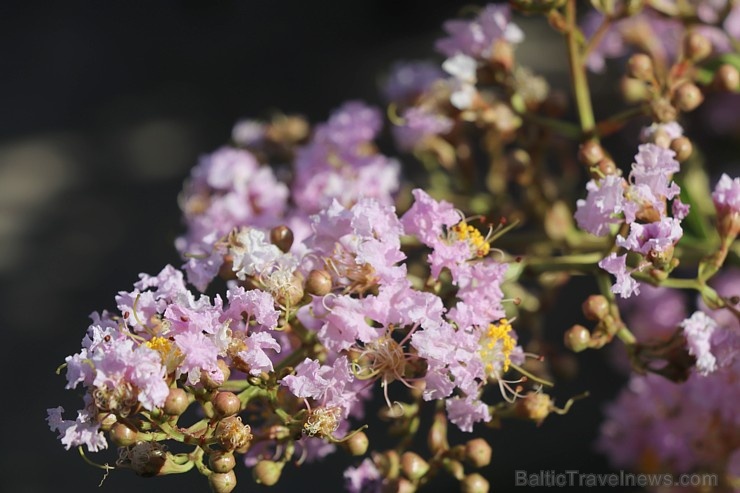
(590, 153)
(357, 444)
(596, 307)
(122, 434)
(145, 458)
(696, 47)
(640, 66)
(222, 482)
(282, 237)
(607, 166)
(577, 338)
(226, 404)
(267, 472)
(176, 402)
(474, 483)
(682, 147)
(727, 78)
(413, 466)
(210, 382)
(221, 461)
(318, 282)
(478, 452)
(688, 97)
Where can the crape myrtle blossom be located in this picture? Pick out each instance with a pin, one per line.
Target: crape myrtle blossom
(477, 38)
(726, 198)
(407, 80)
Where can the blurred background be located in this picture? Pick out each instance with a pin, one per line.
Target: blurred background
(105, 106)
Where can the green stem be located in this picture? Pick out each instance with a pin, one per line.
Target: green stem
(582, 262)
(578, 72)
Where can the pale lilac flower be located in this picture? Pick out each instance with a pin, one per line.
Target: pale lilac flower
(254, 356)
(603, 205)
(653, 167)
(679, 209)
(476, 38)
(200, 354)
(254, 305)
(625, 285)
(345, 324)
(726, 195)
(85, 430)
(698, 330)
(656, 237)
(427, 218)
(364, 478)
(466, 412)
(672, 130)
(248, 132)
(408, 80)
(419, 124)
(330, 386)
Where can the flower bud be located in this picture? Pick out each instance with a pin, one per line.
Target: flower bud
(474, 483)
(437, 437)
(222, 482)
(696, 47)
(413, 466)
(688, 97)
(176, 402)
(682, 147)
(282, 237)
(478, 452)
(357, 444)
(596, 307)
(607, 166)
(727, 78)
(106, 420)
(122, 435)
(211, 383)
(403, 485)
(590, 153)
(455, 468)
(388, 463)
(226, 404)
(267, 472)
(220, 461)
(633, 90)
(577, 338)
(640, 66)
(318, 282)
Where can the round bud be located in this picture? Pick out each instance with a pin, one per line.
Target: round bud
(176, 402)
(590, 153)
(607, 166)
(455, 468)
(478, 452)
(222, 482)
(122, 435)
(318, 282)
(682, 147)
(577, 338)
(437, 436)
(267, 472)
(210, 382)
(696, 47)
(292, 293)
(640, 67)
(474, 483)
(282, 237)
(413, 466)
(403, 485)
(357, 444)
(221, 461)
(633, 90)
(535, 406)
(596, 307)
(226, 404)
(727, 78)
(688, 97)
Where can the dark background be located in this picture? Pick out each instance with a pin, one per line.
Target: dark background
(104, 108)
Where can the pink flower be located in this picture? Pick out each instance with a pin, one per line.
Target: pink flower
(83, 431)
(625, 285)
(655, 237)
(330, 386)
(698, 330)
(428, 218)
(476, 38)
(602, 206)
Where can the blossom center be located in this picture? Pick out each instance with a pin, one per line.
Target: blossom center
(496, 346)
(464, 232)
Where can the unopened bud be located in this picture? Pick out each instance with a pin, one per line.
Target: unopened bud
(267, 472)
(535, 406)
(640, 67)
(596, 307)
(282, 237)
(211, 381)
(682, 147)
(590, 153)
(455, 468)
(221, 461)
(357, 444)
(688, 97)
(727, 78)
(607, 166)
(474, 483)
(388, 463)
(222, 482)
(633, 90)
(318, 282)
(413, 466)
(106, 420)
(696, 47)
(577, 338)
(226, 404)
(478, 452)
(437, 437)
(403, 485)
(292, 293)
(176, 402)
(122, 435)
(661, 138)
